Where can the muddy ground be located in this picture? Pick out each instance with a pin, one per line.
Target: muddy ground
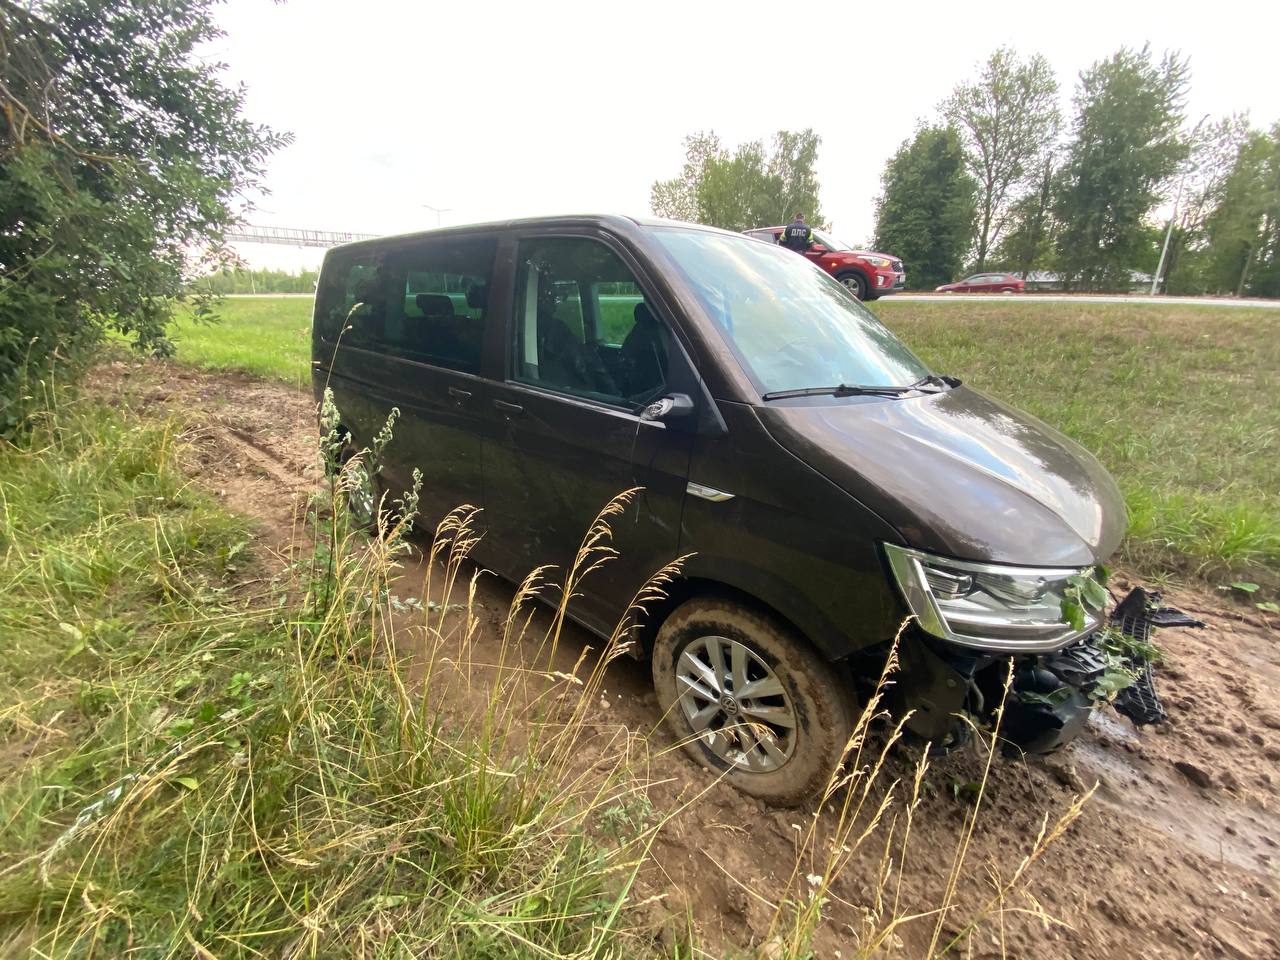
(1176, 855)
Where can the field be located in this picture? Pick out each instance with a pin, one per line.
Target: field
(267, 336)
(1177, 401)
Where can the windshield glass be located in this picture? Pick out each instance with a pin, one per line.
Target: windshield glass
(830, 242)
(790, 323)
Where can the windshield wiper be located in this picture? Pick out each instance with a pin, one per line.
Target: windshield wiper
(937, 383)
(840, 390)
(933, 380)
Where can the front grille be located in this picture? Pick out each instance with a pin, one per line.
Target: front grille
(896, 265)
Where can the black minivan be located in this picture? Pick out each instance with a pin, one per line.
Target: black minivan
(826, 484)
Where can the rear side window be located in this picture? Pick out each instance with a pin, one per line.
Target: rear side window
(583, 325)
(344, 283)
(425, 302)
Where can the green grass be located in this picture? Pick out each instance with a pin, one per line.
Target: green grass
(1178, 402)
(267, 336)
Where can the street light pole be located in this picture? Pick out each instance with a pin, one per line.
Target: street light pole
(1164, 252)
(438, 211)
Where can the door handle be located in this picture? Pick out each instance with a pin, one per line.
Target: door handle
(459, 394)
(508, 408)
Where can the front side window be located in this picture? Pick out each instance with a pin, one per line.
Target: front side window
(791, 325)
(583, 325)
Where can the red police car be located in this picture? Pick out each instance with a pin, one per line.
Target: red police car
(867, 275)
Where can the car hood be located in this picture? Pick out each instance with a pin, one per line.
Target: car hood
(961, 474)
(871, 253)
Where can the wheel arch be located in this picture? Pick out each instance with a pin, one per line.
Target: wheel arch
(862, 275)
(808, 625)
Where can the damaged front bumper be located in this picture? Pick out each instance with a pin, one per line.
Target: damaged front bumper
(947, 688)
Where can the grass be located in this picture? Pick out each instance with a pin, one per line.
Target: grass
(1177, 401)
(205, 758)
(267, 336)
(193, 769)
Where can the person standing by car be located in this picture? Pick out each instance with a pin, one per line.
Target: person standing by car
(797, 235)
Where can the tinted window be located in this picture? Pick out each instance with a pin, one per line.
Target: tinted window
(343, 281)
(791, 324)
(424, 302)
(583, 325)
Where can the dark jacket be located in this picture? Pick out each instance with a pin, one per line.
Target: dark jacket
(796, 236)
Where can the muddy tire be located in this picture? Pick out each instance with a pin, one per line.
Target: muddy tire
(750, 699)
(365, 491)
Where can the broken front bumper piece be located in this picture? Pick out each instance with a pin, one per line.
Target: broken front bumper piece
(1051, 695)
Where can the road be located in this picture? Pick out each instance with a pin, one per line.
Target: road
(1090, 298)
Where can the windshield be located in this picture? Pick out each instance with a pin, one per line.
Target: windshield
(790, 323)
(830, 242)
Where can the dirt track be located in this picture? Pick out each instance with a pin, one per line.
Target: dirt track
(1177, 855)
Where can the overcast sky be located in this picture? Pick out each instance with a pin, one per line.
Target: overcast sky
(496, 109)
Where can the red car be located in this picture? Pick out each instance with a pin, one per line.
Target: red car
(985, 283)
(867, 276)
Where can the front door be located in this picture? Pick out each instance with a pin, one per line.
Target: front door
(587, 351)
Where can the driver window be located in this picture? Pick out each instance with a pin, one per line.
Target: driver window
(583, 325)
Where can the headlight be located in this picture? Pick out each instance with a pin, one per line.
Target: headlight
(877, 261)
(987, 605)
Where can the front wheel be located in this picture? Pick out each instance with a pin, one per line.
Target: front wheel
(855, 283)
(750, 699)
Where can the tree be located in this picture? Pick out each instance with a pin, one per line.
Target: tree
(1241, 229)
(1008, 120)
(1213, 151)
(677, 198)
(1126, 146)
(1028, 243)
(925, 212)
(120, 150)
(748, 187)
(1264, 280)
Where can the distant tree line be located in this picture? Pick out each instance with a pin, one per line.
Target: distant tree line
(1001, 180)
(1081, 202)
(239, 280)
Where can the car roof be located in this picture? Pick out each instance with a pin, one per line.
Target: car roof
(615, 222)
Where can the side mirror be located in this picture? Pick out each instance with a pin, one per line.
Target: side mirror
(671, 407)
(818, 248)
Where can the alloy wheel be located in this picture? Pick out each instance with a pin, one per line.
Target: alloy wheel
(853, 285)
(735, 704)
(361, 493)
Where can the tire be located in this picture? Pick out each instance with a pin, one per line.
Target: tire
(364, 495)
(854, 282)
(781, 765)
